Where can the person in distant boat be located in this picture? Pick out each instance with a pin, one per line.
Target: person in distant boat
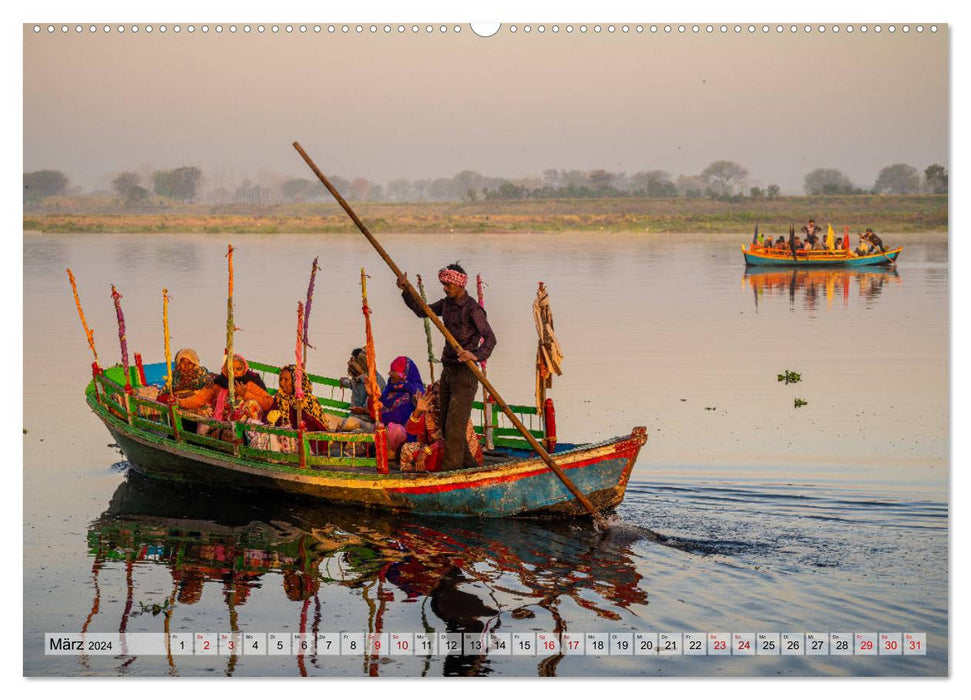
(780, 243)
(360, 412)
(812, 232)
(874, 240)
(399, 398)
(467, 322)
(864, 247)
(839, 243)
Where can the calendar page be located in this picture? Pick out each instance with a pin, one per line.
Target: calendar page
(610, 347)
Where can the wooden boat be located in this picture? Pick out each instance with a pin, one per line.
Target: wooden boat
(513, 481)
(760, 255)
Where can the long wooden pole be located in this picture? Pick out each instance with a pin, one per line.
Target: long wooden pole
(544, 455)
(486, 408)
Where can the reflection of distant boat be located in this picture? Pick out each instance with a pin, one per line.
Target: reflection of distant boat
(761, 256)
(817, 284)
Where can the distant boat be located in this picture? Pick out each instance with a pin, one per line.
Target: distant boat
(762, 256)
(513, 481)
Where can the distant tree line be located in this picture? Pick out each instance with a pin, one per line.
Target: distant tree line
(722, 179)
(44, 183)
(899, 178)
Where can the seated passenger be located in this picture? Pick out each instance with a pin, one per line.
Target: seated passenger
(188, 375)
(280, 443)
(398, 400)
(426, 452)
(306, 408)
(250, 412)
(212, 399)
(360, 418)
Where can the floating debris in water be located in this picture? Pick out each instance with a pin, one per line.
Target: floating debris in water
(711, 408)
(790, 377)
(799, 402)
(153, 608)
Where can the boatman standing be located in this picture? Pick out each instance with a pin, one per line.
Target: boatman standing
(466, 321)
(874, 240)
(812, 232)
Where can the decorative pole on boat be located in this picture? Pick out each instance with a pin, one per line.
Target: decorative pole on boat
(486, 409)
(792, 241)
(428, 334)
(533, 442)
(755, 236)
(168, 348)
(306, 310)
(89, 334)
(121, 337)
(548, 360)
(298, 382)
(230, 327)
(380, 432)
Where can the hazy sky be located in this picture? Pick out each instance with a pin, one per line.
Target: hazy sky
(429, 105)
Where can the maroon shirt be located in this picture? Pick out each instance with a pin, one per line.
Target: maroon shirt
(465, 320)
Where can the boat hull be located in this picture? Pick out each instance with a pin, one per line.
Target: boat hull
(524, 487)
(817, 259)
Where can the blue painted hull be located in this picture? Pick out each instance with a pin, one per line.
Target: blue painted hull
(536, 492)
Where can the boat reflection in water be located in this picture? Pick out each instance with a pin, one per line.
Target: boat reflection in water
(466, 575)
(818, 288)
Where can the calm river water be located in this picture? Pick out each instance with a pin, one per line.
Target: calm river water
(745, 513)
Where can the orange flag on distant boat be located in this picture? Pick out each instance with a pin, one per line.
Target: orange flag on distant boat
(846, 237)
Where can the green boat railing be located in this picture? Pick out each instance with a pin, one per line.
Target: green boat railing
(168, 421)
(313, 449)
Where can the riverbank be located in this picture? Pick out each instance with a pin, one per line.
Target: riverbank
(896, 213)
